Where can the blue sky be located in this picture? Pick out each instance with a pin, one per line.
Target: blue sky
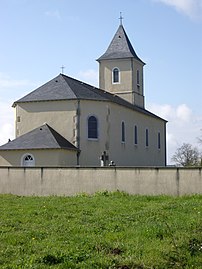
(39, 36)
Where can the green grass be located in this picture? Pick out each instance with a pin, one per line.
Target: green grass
(105, 230)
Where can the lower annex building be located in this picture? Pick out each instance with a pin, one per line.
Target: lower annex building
(67, 122)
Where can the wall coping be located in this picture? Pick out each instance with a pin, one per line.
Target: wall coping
(104, 167)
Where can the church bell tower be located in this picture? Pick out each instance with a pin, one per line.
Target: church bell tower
(121, 70)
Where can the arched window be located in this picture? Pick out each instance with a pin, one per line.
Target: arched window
(116, 75)
(123, 132)
(147, 138)
(135, 135)
(138, 77)
(159, 140)
(92, 127)
(27, 160)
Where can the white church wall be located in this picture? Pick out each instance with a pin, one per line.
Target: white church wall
(51, 157)
(137, 85)
(130, 153)
(91, 149)
(63, 117)
(124, 87)
(127, 86)
(58, 114)
(106, 67)
(110, 117)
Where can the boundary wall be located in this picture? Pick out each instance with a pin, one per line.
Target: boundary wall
(44, 181)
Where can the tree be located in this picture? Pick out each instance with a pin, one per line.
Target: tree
(187, 155)
(200, 139)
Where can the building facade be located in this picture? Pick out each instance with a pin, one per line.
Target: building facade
(89, 126)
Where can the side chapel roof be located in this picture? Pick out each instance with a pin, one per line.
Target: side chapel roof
(120, 47)
(63, 87)
(43, 137)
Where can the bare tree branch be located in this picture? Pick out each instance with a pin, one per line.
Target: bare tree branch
(187, 155)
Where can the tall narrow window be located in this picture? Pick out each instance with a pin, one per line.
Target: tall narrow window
(92, 127)
(138, 77)
(147, 137)
(116, 75)
(135, 135)
(159, 140)
(123, 132)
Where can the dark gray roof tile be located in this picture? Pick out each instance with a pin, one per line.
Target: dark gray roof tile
(61, 88)
(66, 88)
(55, 89)
(120, 47)
(43, 137)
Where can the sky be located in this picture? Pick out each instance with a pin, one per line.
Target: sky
(40, 36)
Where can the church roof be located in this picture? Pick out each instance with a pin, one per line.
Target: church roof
(43, 137)
(120, 47)
(63, 87)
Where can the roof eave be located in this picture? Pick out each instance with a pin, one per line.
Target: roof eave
(14, 149)
(119, 58)
(39, 101)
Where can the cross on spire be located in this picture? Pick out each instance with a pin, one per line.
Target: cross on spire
(121, 18)
(62, 68)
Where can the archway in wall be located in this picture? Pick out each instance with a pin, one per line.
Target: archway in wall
(28, 160)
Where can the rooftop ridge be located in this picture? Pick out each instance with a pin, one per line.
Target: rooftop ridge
(73, 89)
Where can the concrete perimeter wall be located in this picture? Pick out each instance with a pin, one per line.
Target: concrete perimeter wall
(74, 180)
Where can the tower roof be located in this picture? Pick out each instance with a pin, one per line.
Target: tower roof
(120, 47)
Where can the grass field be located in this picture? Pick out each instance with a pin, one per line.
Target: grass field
(105, 230)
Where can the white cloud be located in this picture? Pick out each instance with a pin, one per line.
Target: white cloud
(89, 76)
(6, 122)
(192, 8)
(183, 113)
(7, 82)
(10, 89)
(183, 125)
(53, 13)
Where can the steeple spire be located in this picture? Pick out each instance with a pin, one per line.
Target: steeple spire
(121, 70)
(120, 46)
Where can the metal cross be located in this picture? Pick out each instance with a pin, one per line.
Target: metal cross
(62, 68)
(121, 18)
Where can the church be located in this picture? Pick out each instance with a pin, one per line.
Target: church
(67, 122)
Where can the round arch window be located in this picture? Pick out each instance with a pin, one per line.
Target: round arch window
(116, 75)
(28, 160)
(92, 127)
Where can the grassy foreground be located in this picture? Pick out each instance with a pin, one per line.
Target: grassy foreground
(105, 230)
